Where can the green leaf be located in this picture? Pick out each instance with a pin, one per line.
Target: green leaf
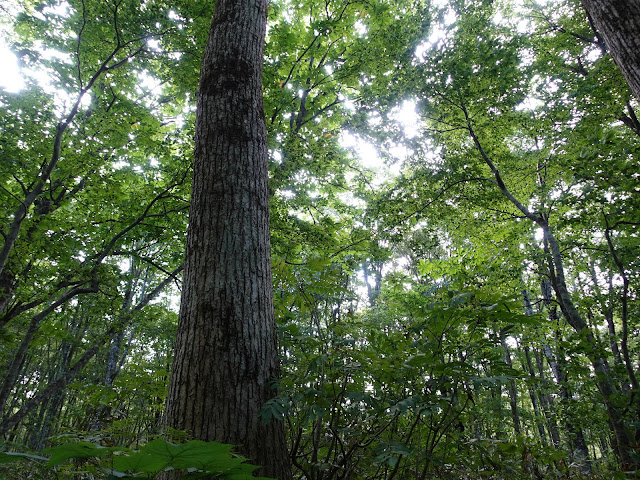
(8, 457)
(275, 408)
(140, 462)
(207, 456)
(417, 360)
(76, 450)
(460, 299)
(403, 405)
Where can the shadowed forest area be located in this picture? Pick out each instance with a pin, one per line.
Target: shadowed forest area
(453, 190)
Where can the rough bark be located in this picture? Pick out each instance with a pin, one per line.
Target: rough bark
(618, 21)
(226, 351)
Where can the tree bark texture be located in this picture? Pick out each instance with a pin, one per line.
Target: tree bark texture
(618, 21)
(226, 350)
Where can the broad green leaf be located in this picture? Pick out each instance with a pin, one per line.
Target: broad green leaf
(76, 450)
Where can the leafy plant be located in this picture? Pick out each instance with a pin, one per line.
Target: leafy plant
(196, 459)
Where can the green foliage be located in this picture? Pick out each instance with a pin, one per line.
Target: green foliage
(195, 459)
(413, 321)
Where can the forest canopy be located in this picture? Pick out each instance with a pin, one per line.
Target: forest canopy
(453, 193)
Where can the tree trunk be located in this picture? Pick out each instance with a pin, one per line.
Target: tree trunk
(375, 268)
(579, 453)
(618, 21)
(6, 289)
(546, 401)
(533, 395)
(528, 366)
(600, 365)
(513, 391)
(53, 388)
(226, 351)
(564, 299)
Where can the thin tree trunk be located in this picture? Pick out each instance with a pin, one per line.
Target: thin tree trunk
(578, 448)
(113, 365)
(533, 386)
(533, 395)
(226, 360)
(375, 268)
(607, 308)
(513, 391)
(563, 297)
(546, 402)
(52, 389)
(51, 406)
(573, 317)
(14, 368)
(579, 452)
(624, 317)
(61, 382)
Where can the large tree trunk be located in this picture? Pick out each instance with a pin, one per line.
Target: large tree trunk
(618, 21)
(226, 351)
